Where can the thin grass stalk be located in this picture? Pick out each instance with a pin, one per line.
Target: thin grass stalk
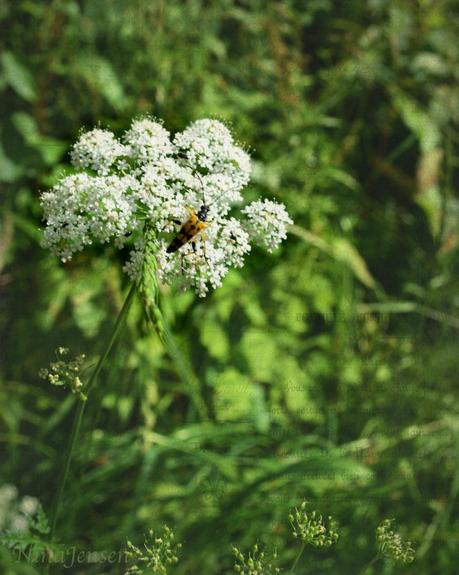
(369, 564)
(80, 412)
(295, 563)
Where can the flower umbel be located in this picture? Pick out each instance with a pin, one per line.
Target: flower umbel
(311, 528)
(97, 150)
(391, 544)
(268, 222)
(65, 372)
(20, 515)
(255, 563)
(150, 179)
(157, 554)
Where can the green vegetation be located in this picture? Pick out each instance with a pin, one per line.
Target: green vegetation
(325, 372)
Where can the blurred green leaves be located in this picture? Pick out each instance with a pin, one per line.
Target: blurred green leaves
(100, 77)
(329, 368)
(17, 76)
(50, 149)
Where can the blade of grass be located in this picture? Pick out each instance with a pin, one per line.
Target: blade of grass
(80, 412)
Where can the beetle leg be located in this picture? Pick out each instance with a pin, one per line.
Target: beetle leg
(174, 221)
(203, 238)
(193, 243)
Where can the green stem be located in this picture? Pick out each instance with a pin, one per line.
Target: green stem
(66, 467)
(369, 564)
(184, 369)
(149, 291)
(295, 563)
(80, 411)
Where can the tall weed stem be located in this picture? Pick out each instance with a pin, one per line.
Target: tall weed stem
(149, 291)
(80, 412)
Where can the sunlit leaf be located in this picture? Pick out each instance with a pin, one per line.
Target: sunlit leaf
(18, 76)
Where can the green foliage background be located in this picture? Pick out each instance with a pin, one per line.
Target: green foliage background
(329, 369)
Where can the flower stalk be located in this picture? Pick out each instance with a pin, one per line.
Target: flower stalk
(149, 291)
(76, 425)
(298, 557)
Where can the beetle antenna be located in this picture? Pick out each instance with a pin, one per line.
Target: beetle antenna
(203, 194)
(202, 184)
(196, 173)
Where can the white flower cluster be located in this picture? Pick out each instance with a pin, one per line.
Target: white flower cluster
(267, 222)
(150, 179)
(14, 511)
(98, 150)
(83, 209)
(148, 141)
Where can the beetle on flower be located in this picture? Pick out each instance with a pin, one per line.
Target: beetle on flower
(149, 180)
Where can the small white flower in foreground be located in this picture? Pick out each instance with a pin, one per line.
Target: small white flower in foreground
(17, 514)
(147, 179)
(28, 505)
